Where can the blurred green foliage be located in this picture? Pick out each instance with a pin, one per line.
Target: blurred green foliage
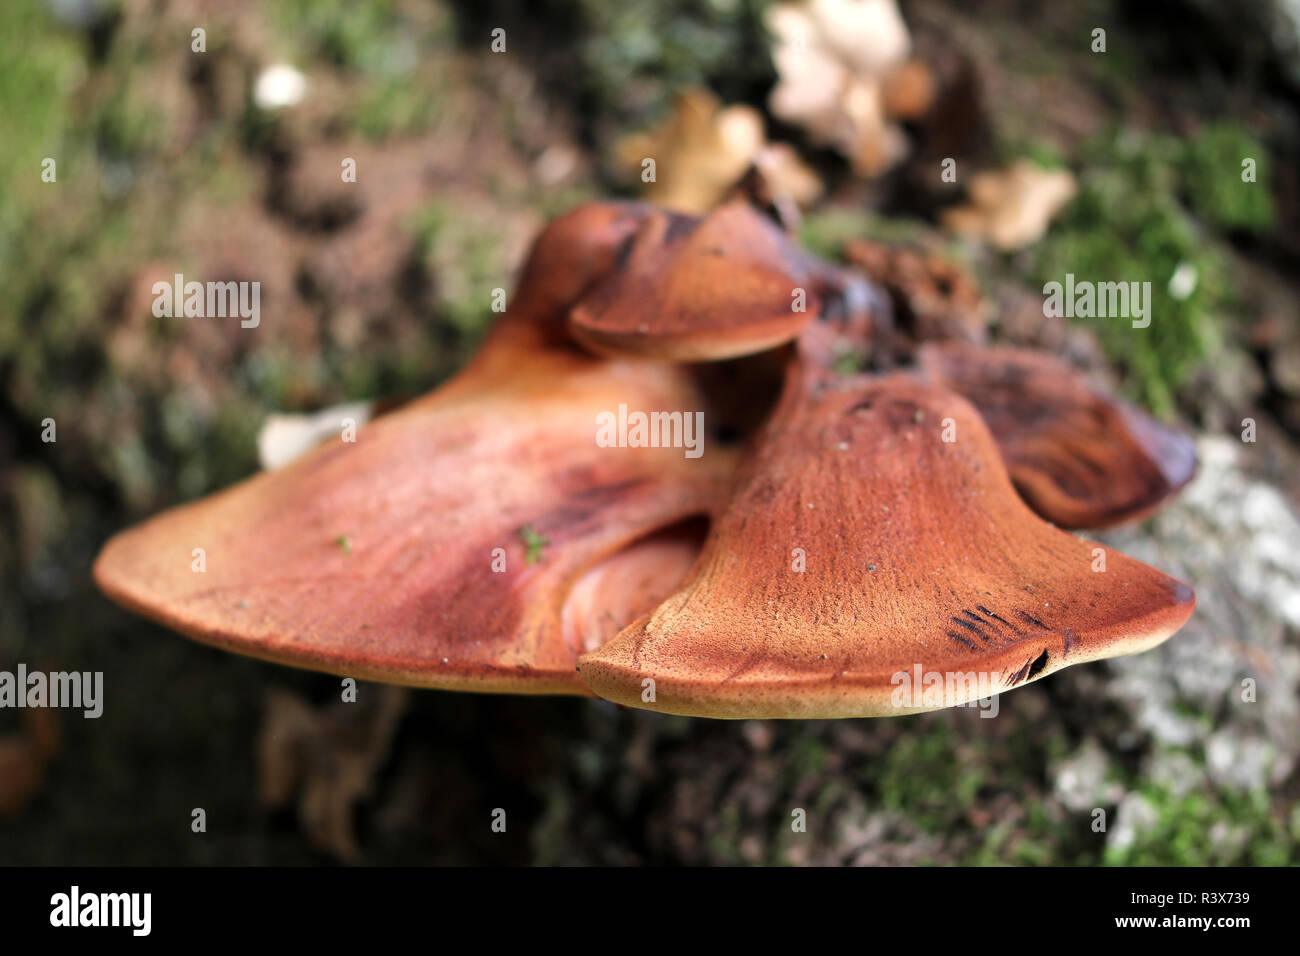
(39, 68)
(393, 55)
(635, 56)
(924, 776)
(1208, 827)
(1147, 206)
(464, 257)
(360, 37)
(824, 231)
(1210, 167)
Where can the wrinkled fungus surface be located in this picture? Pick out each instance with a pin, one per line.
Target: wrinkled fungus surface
(823, 546)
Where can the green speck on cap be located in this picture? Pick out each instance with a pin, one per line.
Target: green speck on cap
(533, 543)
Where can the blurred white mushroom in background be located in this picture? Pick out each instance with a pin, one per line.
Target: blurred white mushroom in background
(286, 437)
(846, 76)
(278, 86)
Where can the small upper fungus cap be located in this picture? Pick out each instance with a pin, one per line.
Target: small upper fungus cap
(1081, 459)
(862, 550)
(572, 252)
(689, 289)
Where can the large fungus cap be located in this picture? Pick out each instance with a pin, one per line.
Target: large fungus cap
(1081, 459)
(862, 550)
(688, 289)
(478, 538)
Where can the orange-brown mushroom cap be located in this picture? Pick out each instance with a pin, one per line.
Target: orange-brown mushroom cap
(575, 250)
(861, 549)
(478, 538)
(1081, 459)
(688, 289)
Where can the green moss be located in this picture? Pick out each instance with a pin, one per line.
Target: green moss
(124, 129)
(633, 57)
(350, 36)
(1040, 151)
(394, 56)
(39, 69)
(924, 776)
(394, 107)
(848, 360)
(466, 260)
(39, 65)
(826, 231)
(1211, 828)
(534, 544)
(1211, 169)
(1129, 225)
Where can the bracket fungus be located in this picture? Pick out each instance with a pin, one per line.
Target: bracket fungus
(1081, 459)
(917, 550)
(496, 544)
